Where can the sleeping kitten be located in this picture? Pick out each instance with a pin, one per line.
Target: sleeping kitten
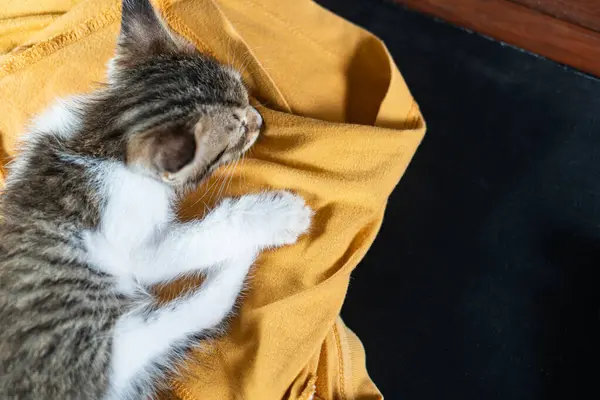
(88, 222)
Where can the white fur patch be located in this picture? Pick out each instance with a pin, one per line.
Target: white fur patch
(139, 243)
(61, 119)
(140, 343)
(137, 208)
(111, 70)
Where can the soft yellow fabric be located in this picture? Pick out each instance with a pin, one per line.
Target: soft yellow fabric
(341, 128)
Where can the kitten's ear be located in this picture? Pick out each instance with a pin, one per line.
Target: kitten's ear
(173, 150)
(163, 149)
(144, 34)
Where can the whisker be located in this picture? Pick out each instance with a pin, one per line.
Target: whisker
(232, 175)
(223, 182)
(216, 180)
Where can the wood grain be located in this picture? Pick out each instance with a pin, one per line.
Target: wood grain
(585, 13)
(559, 40)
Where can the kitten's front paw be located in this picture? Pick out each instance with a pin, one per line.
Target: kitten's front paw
(273, 218)
(290, 217)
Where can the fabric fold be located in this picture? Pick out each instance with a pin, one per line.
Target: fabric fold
(340, 129)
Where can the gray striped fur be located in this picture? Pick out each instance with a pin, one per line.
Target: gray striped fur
(57, 312)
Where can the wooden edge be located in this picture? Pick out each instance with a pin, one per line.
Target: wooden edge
(521, 26)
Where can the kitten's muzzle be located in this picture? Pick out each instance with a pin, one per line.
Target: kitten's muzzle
(255, 120)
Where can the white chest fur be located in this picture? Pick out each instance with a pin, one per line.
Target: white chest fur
(136, 212)
(137, 207)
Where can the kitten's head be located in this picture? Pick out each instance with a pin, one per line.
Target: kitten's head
(181, 113)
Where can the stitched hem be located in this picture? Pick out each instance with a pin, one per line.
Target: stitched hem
(182, 391)
(340, 357)
(39, 50)
(44, 48)
(414, 116)
(290, 27)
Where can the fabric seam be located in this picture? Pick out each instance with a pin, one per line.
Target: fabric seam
(289, 27)
(340, 359)
(49, 46)
(182, 391)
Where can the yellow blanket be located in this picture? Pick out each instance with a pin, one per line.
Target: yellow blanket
(341, 128)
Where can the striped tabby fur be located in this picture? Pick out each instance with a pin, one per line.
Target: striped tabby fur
(88, 222)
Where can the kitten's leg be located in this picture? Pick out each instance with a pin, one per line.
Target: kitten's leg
(230, 236)
(237, 226)
(146, 339)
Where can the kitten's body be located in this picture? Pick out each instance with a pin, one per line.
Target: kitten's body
(88, 224)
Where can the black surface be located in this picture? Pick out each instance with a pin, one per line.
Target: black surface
(483, 283)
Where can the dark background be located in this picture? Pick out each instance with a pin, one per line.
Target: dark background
(483, 283)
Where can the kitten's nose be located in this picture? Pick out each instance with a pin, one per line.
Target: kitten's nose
(254, 117)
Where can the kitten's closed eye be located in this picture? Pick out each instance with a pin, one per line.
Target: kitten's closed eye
(184, 153)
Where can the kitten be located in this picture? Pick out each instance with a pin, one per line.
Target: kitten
(88, 222)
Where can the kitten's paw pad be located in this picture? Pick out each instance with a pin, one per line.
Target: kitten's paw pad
(290, 216)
